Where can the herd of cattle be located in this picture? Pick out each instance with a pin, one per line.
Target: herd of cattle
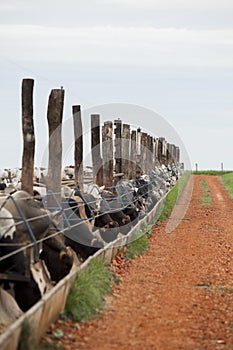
(40, 244)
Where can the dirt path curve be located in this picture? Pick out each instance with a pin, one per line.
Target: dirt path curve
(179, 295)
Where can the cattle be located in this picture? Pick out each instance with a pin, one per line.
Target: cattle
(107, 221)
(17, 267)
(103, 222)
(15, 263)
(112, 204)
(54, 250)
(78, 230)
(109, 228)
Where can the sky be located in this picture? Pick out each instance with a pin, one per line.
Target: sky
(173, 58)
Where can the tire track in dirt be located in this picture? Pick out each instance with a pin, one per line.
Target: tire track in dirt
(179, 295)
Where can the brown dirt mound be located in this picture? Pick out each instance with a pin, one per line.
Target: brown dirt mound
(179, 295)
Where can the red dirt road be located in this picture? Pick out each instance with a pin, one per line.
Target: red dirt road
(179, 295)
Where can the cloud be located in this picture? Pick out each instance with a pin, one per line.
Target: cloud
(140, 46)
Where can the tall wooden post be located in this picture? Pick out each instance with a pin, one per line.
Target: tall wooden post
(160, 150)
(78, 146)
(177, 154)
(149, 158)
(118, 145)
(169, 151)
(156, 151)
(107, 152)
(139, 139)
(54, 116)
(144, 152)
(28, 136)
(133, 155)
(95, 150)
(125, 149)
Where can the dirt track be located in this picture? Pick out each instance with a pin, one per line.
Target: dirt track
(179, 295)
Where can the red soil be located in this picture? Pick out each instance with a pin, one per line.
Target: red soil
(179, 295)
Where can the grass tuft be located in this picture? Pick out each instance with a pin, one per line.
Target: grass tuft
(173, 196)
(137, 247)
(206, 199)
(88, 292)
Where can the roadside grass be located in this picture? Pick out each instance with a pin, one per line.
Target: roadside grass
(206, 198)
(227, 181)
(137, 247)
(88, 292)
(211, 172)
(173, 196)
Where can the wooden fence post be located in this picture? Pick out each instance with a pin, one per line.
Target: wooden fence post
(138, 143)
(54, 116)
(177, 154)
(133, 155)
(118, 146)
(125, 149)
(95, 150)
(78, 146)
(156, 151)
(169, 152)
(144, 152)
(107, 152)
(149, 158)
(160, 150)
(28, 136)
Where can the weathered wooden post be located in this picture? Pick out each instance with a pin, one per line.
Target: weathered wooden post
(139, 138)
(169, 150)
(163, 150)
(177, 154)
(125, 149)
(156, 151)
(160, 150)
(133, 155)
(107, 152)
(149, 156)
(144, 152)
(78, 146)
(118, 145)
(173, 153)
(28, 136)
(54, 116)
(95, 150)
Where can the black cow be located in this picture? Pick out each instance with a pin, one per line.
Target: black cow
(103, 222)
(77, 229)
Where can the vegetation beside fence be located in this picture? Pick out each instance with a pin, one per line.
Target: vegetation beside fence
(173, 196)
(87, 294)
(212, 172)
(227, 181)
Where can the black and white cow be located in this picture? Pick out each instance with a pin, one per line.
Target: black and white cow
(17, 267)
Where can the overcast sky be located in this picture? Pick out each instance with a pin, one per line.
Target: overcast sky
(174, 57)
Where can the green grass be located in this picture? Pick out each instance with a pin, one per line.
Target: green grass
(227, 181)
(173, 196)
(206, 198)
(137, 247)
(87, 294)
(211, 172)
